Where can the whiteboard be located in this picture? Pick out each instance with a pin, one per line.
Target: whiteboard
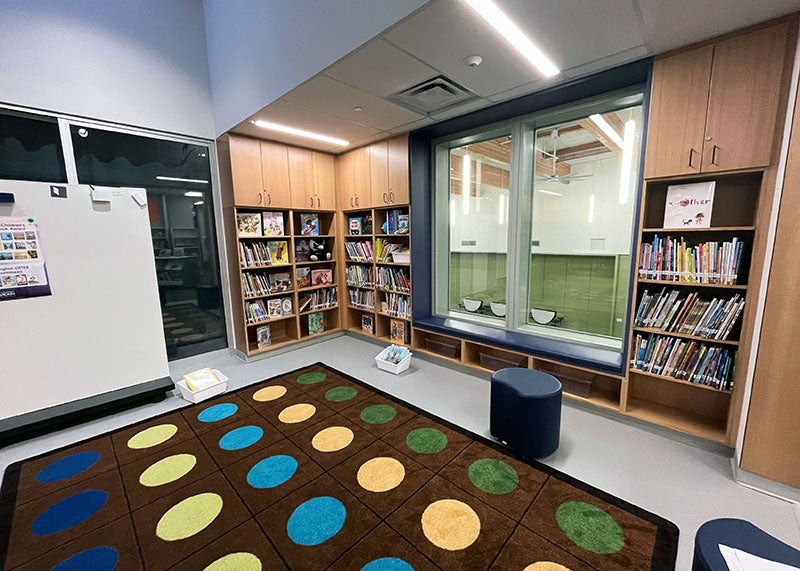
(101, 328)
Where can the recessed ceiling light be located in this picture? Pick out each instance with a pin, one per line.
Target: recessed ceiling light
(473, 60)
(498, 20)
(198, 203)
(299, 132)
(193, 194)
(358, 109)
(610, 132)
(177, 179)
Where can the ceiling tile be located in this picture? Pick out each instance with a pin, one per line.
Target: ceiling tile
(525, 89)
(608, 62)
(411, 126)
(461, 109)
(381, 69)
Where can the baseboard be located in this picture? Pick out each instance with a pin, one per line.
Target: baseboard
(766, 486)
(326, 336)
(29, 425)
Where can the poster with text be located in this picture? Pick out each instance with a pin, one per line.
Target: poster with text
(22, 265)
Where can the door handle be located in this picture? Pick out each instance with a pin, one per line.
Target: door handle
(691, 155)
(391, 197)
(319, 204)
(312, 202)
(385, 199)
(269, 197)
(351, 201)
(260, 197)
(356, 200)
(714, 155)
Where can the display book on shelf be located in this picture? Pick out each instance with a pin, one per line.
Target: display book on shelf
(288, 290)
(377, 275)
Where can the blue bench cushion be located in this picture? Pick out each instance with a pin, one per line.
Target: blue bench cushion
(528, 383)
(738, 534)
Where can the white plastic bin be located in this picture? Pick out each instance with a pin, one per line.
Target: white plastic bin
(395, 368)
(206, 393)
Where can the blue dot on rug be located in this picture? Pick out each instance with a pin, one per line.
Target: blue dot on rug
(97, 559)
(241, 437)
(271, 472)
(217, 412)
(316, 521)
(67, 467)
(69, 512)
(387, 564)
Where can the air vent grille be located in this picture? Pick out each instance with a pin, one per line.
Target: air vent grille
(435, 94)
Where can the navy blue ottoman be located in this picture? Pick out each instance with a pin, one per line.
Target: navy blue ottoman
(738, 534)
(525, 411)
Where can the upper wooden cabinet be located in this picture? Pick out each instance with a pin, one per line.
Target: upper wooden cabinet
(301, 178)
(354, 186)
(324, 181)
(275, 174)
(714, 108)
(246, 171)
(388, 162)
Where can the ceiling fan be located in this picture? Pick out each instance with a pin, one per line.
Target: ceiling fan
(552, 158)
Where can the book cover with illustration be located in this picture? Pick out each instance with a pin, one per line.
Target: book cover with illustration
(367, 324)
(398, 331)
(316, 323)
(248, 224)
(309, 224)
(279, 252)
(301, 251)
(321, 277)
(356, 226)
(274, 307)
(303, 277)
(263, 336)
(689, 205)
(280, 281)
(272, 223)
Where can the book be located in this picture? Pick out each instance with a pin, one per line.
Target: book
(689, 205)
(302, 251)
(399, 331)
(286, 305)
(278, 252)
(272, 223)
(316, 323)
(279, 282)
(199, 380)
(309, 224)
(274, 308)
(356, 226)
(367, 226)
(321, 277)
(402, 223)
(367, 324)
(248, 224)
(303, 277)
(263, 336)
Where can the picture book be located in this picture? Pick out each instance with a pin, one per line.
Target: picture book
(272, 223)
(689, 205)
(274, 307)
(309, 224)
(248, 224)
(398, 331)
(280, 282)
(305, 303)
(316, 323)
(367, 324)
(366, 227)
(301, 251)
(402, 224)
(263, 337)
(356, 225)
(286, 305)
(321, 277)
(303, 277)
(279, 252)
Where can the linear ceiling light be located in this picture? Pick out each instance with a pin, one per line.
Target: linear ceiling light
(176, 179)
(610, 132)
(466, 175)
(497, 19)
(299, 132)
(193, 194)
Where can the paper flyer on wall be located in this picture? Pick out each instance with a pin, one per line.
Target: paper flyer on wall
(22, 264)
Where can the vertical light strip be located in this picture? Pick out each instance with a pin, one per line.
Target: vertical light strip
(501, 211)
(478, 165)
(466, 174)
(627, 162)
(591, 208)
(452, 212)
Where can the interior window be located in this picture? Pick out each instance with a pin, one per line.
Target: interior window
(30, 149)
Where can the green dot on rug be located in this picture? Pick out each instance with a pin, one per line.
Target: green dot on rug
(311, 378)
(493, 476)
(590, 527)
(378, 413)
(341, 394)
(426, 440)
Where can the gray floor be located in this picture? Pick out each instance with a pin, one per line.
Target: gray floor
(676, 480)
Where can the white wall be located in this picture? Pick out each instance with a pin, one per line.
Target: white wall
(261, 49)
(137, 62)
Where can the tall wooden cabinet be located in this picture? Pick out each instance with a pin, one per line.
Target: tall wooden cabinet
(275, 175)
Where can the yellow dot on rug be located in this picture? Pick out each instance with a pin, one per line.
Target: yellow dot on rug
(451, 524)
(189, 517)
(546, 566)
(241, 561)
(168, 470)
(332, 439)
(381, 474)
(297, 413)
(152, 436)
(269, 393)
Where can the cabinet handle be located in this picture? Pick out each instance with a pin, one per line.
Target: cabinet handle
(385, 199)
(691, 154)
(356, 200)
(260, 197)
(714, 155)
(391, 197)
(312, 202)
(269, 196)
(351, 201)
(318, 203)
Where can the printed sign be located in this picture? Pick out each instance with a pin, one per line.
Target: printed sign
(22, 266)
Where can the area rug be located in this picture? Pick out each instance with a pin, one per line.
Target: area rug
(312, 470)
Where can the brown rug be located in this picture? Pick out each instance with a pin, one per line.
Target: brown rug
(312, 470)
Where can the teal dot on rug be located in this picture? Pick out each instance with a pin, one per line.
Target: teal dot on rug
(340, 394)
(311, 378)
(493, 476)
(378, 413)
(387, 564)
(590, 527)
(426, 440)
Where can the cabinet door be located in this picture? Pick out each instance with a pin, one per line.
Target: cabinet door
(345, 181)
(246, 171)
(743, 102)
(275, 172)
(379, 173)
(398, 170)
(324, 185)
(301, 178)
(361, 178)
(678, 104)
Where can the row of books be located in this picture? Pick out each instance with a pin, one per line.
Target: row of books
(359, 225)
(384, 249)
(362, 298)
(359, 276)
(254, 254)
(263, 283)
(396, 222)
(270, 223)
(393, 278)
(690, 315)
(710, 262)
(319, 299)
(684, 359)
(261, 310)
(397, 305)
(359, 251)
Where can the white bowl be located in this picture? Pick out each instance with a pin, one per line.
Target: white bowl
(499, 309)
(472, 304)
(543, 316)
